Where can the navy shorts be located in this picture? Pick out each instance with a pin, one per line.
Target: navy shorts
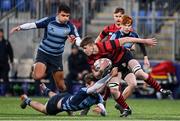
(51, 107)
(123, 64)
(53, 63)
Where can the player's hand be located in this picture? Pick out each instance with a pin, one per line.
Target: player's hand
(146, 62)
(71, 38)
(15, 29)
(97, 110)
(114, 72)
(151, 41)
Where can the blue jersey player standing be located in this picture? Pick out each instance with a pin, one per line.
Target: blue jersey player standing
(84, 98)
(49, 55)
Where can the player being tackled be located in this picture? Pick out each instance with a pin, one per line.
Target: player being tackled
(85, 98)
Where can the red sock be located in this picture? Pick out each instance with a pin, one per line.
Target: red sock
(153, 83)
(106, 94)
(122, 102)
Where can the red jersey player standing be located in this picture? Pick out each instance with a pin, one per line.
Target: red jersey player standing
(110, 29)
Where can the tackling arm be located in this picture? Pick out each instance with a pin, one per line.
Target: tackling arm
(100, 83)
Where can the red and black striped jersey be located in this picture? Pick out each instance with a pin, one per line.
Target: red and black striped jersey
(108, 31)
(108, 49)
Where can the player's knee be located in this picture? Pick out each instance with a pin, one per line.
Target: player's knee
(37, 76)
(114, 88)
(133, 84)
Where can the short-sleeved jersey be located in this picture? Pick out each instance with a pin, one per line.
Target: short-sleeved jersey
(55, 35)
(81, 100)
(108, 49)
(108, 31)
(120, 34)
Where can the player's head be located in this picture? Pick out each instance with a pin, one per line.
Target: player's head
(118, 13)
(89, 79)
(88, 45)
(126, 24)
(63, 13)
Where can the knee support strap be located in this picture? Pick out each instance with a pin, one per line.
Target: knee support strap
(113, 85)
(136, 68)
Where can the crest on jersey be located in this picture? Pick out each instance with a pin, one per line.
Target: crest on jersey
(65, 31)
(51, 29)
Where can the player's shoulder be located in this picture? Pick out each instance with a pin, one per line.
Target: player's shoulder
(50, 18)
(135, 34)
(70, 24)
(117, 34)
(112, 26)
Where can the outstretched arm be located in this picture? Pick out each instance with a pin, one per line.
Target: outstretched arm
(25, 26)
(42, 23)
(149, 41)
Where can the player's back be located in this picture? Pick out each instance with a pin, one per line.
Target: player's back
(80, 101)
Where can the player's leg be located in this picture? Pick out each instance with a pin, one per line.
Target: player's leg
(34, 104)
(56, 68)
(137, 70)
(39, 71)
(59, 80)
(132, 83)
(116, 94)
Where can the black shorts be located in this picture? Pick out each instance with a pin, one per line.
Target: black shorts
(51, 107)
(53, 63)
(123, 64)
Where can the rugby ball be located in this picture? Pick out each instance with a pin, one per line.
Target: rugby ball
(104, 62)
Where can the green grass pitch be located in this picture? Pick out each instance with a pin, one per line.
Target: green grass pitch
(143, 109)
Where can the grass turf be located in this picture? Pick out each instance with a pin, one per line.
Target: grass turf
(143, 109)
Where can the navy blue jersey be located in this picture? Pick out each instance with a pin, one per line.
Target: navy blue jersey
(120, 34)
(80, 101)
(55, 35)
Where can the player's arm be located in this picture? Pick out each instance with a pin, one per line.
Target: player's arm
(100, 109)
(100, 83)
(73, 36)
(102, 35)
(42, 23)
(143, 50)
(149, 41)
(25, 26)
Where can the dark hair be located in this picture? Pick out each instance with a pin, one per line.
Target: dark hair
(121, 10)
(88, 78)
(63, 7)
(87, 40)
